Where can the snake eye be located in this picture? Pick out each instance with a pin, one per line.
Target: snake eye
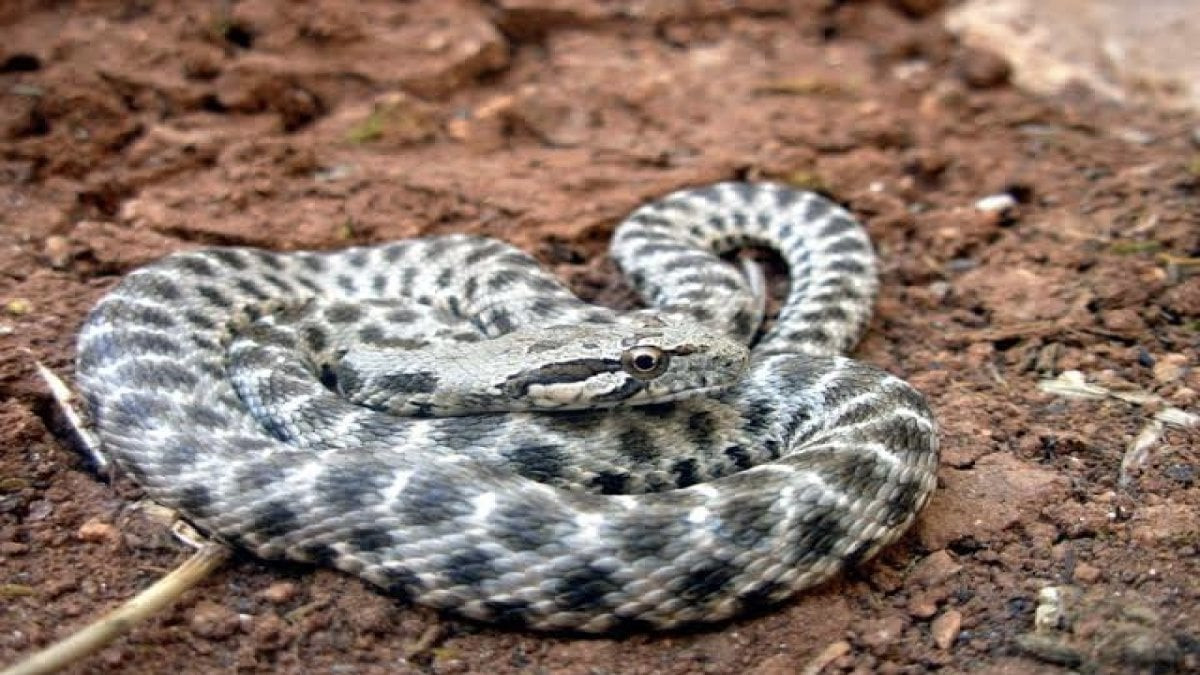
(645, 363)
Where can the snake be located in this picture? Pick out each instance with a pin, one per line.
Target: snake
(443, 418)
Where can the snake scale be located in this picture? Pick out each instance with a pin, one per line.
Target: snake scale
(446, 420)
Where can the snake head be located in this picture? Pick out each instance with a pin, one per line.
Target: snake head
(565, 367)
(651, 361)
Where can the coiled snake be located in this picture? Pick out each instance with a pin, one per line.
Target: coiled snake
(445, 420)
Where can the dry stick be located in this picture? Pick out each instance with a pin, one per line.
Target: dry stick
(99, 634)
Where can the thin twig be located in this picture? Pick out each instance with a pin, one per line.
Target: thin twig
(118, 622)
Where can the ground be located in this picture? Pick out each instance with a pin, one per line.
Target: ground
(131, 129)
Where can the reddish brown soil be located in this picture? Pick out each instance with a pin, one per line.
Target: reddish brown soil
(131, 129)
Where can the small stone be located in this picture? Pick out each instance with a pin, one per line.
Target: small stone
(1086, 573)
(944, 629)
(1135, 136)
(270, 632)
(1181, 473)
(999, 202)
(58, 251)
(1056, 605)
(923, 605)
(279, 593)
(213, 621)
(831, 653)
(880, 632)
(1184, 397)
(934, 569)
(1123, 321)
(982, 69)
(484, 129)
(1170, 368)
(39, 510)
(96, 530)
(18, 307)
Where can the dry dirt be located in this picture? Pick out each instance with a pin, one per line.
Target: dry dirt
(131, 129)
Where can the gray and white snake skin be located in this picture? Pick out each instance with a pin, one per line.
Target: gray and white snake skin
(656, 477)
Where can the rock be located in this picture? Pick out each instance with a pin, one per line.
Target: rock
(1170, 368)
(1115, 48)
(58, 251)
(431, 49)
(923, 605)
(934, 569)
(270, 632)
(997, 202)
(881, 632)
(1086, 573)
(279, 593)
(982, 69)
(485, 128)
(213, 621)
(1184, 297)
(1056, 609)
(944, 629)
(95, 530)
(1123, 321)
(820, 662)
(18, 307)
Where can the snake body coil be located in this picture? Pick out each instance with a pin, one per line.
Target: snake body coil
(603, 471)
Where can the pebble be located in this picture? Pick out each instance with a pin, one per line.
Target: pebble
(982, 69)
(18, 307)
(1086, 573)
(1122, 320)
(279, 593)
(58, 251)
(945, 628)
(270, 632)
(1054, 605)
(214, 621)
(820, 662)
(1000, 202)
(96, 530)
(923, 605)
(934, 569)
(1182, 473)
(1170, 368)
(484, 130)
(880, 632)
